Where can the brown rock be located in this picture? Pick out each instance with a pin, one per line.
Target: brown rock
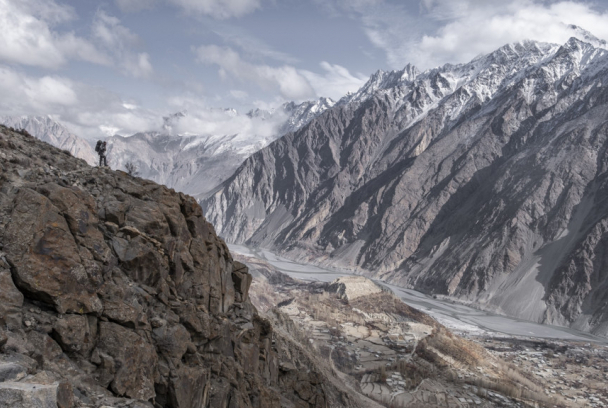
(80, 212)
(11, 300)
(121, 305)
(63, 391)
(141, 260)
(25, 395)
(242, 281)
(189, 388)
(47, 260)
(133, 364)
(172, 341)
(115, 212)
(75, 334)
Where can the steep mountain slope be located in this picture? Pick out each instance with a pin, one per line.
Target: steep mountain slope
(46, 129)
(191, 164)
(483, 181)
(196, 164)
(116, 292)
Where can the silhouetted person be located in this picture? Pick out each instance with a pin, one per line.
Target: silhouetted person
(100, 148)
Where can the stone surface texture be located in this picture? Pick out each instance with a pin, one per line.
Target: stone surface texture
(115, 291)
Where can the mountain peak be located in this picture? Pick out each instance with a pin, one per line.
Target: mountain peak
(585, 36)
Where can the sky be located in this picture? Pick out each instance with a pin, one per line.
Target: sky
(118, 66)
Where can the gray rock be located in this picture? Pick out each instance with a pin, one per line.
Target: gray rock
(25, 395)
(11, 372)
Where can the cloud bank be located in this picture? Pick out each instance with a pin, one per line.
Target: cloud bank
(290, 82)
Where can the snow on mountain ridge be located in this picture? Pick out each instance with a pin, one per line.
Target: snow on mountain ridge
(195, 153)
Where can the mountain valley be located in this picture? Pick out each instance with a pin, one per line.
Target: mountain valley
(482, 182)
(399, 356)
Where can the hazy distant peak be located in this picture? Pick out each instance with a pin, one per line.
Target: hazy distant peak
(587, 37)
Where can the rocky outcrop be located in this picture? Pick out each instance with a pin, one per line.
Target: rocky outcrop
(52, 132)
(353, 287)
(115, 291)
(482, 181)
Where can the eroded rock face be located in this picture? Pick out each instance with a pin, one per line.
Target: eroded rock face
(121, 288)
(48, 263)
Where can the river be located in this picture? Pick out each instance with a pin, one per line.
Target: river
(455, 316)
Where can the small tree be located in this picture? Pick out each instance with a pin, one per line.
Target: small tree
(132, 169)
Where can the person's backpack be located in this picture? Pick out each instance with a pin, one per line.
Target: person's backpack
(98, 146)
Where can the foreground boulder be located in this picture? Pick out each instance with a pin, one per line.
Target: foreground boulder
(115, 291)
(27, 395)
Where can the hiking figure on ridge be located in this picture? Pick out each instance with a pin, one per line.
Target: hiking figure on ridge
(100, 148)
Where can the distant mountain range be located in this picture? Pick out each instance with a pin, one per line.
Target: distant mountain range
(485, 182)
(193, 164)
(48, 130)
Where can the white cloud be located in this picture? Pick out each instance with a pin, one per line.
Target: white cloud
(248, 43)
(119, 41)
(27, 37)
(336, 82)
(483, 29)
(84, 109)
(200, 119)
(50, 91)
(22, 94)
(284, 79)
(220, 9)
(290, 82)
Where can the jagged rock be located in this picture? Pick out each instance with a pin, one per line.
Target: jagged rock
(34, 395)
(76, 333)
(242, 281)
(48, 263)
(128, 359)
(189, 388)
(172, 341)
(11, 372)
(11, 301)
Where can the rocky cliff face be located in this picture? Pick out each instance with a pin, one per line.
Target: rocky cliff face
(115, 291)
(484, 181)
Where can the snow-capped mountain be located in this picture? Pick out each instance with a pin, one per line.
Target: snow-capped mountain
(191, 164)
(483, 181)
(197, 163)
(175, 155)
(48, 130)
(299, 115)
(293, 116)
